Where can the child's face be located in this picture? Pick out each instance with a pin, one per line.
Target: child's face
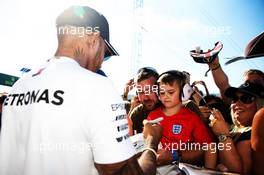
(169, 95)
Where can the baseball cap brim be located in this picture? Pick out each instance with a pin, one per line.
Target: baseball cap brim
(253, 89)
(231, 92)
(110, 50)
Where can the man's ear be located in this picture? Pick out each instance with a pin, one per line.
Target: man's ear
(93, 39)
(96, 38)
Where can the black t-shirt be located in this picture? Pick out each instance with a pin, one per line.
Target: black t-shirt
(242, 136)
(137, 116)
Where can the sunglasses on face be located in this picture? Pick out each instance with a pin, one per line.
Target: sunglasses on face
(245, 98)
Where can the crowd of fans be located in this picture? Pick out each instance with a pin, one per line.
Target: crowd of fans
(233, 119)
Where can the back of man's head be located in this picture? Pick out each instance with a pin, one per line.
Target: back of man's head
(80, 21)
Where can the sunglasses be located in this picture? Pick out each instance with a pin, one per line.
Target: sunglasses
(245, 98)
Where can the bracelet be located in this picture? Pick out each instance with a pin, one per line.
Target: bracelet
(212, 69)
(152, 150)
(216, 67)
(176, 156)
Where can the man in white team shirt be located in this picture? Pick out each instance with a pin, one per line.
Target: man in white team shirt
(64, 119)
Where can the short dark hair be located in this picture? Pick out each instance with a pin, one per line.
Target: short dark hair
(172, 76)
(145, 73)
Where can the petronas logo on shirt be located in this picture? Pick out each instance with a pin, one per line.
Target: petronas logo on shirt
(176, 129)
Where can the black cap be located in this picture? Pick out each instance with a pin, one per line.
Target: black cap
(84, 16)
(254, 89)
(255, 48)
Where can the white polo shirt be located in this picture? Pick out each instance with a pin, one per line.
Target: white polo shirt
(61, 119)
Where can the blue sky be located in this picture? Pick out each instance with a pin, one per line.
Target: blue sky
(168, 28)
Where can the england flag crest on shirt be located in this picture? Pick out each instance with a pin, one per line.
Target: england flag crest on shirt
(176, 129)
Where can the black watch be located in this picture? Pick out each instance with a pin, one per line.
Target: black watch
(223, 137)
